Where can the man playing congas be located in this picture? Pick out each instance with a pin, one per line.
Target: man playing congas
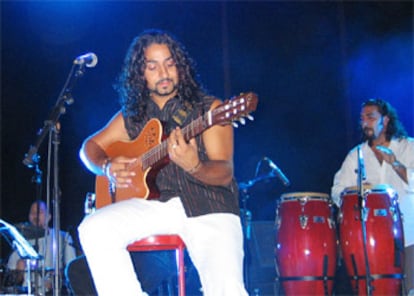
(388, 156)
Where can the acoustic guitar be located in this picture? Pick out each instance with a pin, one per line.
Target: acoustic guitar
(150, 148)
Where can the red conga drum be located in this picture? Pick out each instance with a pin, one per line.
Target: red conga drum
(383, 249)
(306, 248)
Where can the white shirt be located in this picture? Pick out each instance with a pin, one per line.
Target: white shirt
(67, 251)
(377, 173)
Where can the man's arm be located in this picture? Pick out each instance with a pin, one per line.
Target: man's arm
(218, 141)
(389, 157)
(344, 177)
(97, 161)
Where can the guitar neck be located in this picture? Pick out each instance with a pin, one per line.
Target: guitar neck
(160, 151)
(226, 113)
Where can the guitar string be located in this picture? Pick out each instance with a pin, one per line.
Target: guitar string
(156, 153)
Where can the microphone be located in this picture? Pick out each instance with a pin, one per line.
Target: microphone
(361, 165)
(278, 172)
(88, 59)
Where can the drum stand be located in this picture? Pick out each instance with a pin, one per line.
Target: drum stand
(22, 246)
(363, 216)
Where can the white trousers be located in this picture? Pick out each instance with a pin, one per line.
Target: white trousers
(214, 243)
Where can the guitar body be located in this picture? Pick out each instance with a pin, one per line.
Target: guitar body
(143, 183)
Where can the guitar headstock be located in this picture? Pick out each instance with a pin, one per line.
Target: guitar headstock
(237, 108)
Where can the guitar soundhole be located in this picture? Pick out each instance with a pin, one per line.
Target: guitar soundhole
(151, 138)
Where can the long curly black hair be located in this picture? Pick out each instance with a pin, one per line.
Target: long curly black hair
(131, 84)
(395, 129)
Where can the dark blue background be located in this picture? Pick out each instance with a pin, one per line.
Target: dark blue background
(311, 63)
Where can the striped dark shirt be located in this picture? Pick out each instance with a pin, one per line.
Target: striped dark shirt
(198, 198)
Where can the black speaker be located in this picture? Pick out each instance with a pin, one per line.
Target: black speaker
(260, 270)
(78, 277)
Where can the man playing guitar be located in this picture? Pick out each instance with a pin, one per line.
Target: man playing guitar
(181, 184)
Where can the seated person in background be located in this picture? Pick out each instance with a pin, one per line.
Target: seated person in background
(35, 231)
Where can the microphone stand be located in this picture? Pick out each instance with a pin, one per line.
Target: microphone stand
(363, 216)
(37, 179)
(247, 218)
(52, 127)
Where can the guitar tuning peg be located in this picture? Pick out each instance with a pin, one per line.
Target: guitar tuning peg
(234, 124)
(242, 120)
(250, 117)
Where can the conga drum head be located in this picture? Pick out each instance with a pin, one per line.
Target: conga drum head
(379, 188)
(304, 195)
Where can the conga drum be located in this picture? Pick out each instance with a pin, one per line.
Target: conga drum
(306, 248)
(379, 256)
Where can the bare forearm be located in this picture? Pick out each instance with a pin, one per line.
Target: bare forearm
(93, 156)
(214, 172)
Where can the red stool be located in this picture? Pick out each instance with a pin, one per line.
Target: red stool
(164, 243)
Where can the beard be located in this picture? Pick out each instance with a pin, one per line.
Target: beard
(164, 92)
(369, 133)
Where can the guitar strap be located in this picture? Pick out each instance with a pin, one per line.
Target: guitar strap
(179, 117)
